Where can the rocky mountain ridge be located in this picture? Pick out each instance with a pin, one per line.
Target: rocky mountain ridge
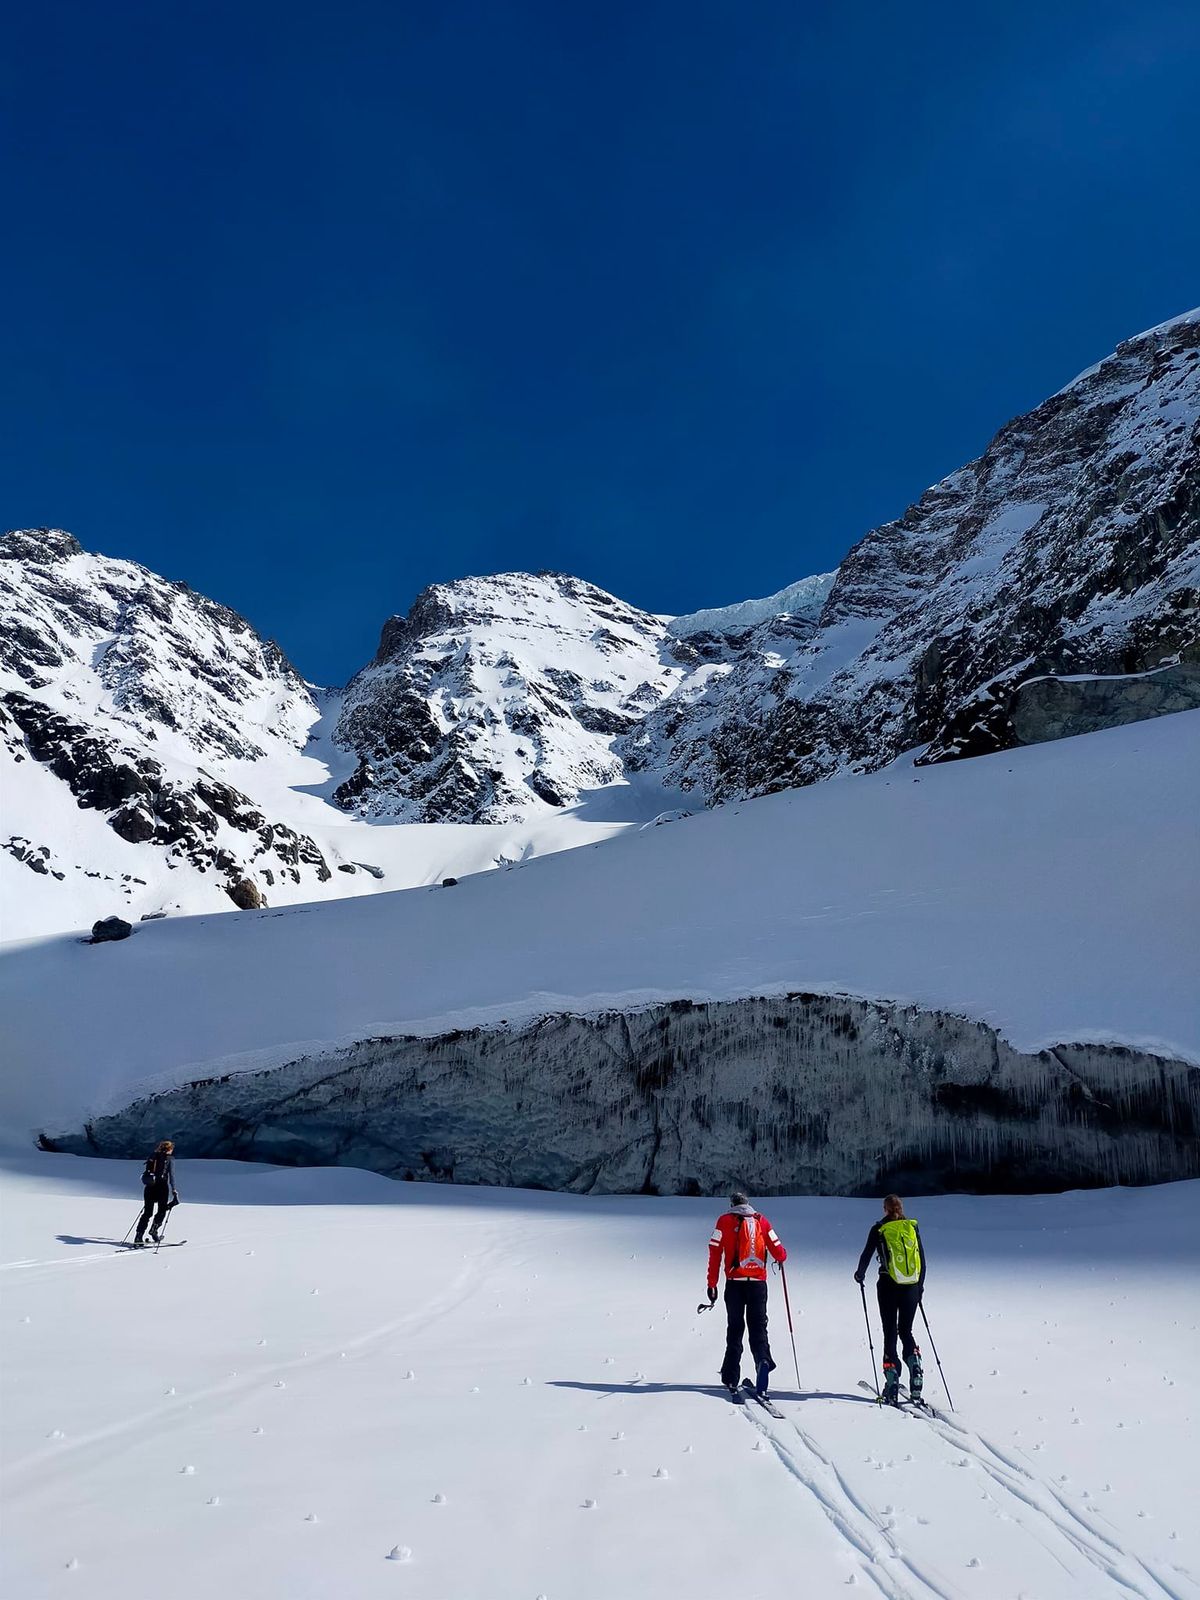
(1049, 587)
(1070, 548)
(498, 694)
(138, 694)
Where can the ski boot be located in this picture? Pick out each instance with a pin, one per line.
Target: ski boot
(891, 1383)
(153, 1236)
(916, 1373)
(762, 1378)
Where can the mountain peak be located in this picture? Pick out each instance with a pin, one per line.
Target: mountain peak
(42, 545)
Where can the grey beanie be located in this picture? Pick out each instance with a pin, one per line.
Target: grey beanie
(738, 1198)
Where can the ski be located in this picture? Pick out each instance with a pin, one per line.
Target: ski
(768, 1406)
(167, 1244)
(922, 1406)
(902, 1401)
(894, 1405)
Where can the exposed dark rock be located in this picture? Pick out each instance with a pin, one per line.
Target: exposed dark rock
(109, 929)
(246, 895)
(1068, 548)
(145, 806)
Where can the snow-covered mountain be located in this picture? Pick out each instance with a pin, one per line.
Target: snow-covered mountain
(497, 697)
(157, 752)
(1070, 549)
(137, 695)
(157, 756)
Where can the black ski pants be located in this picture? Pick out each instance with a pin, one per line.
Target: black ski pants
(898, 1304)
(746, 1305)
(157, 1194)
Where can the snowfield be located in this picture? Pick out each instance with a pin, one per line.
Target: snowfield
(1051, 892)
(342, 1386)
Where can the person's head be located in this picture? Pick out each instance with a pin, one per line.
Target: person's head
(893, 1207)
(737, 1197)
(165, 1147)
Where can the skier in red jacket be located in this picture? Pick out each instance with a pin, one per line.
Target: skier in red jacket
(743, 1239)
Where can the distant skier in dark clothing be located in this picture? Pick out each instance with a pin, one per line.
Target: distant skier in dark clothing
(743, 1239)
(158, 1182)
(896, 1240)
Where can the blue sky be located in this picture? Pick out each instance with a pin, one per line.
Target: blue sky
(311, 305)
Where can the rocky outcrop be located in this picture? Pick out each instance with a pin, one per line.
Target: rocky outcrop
(495, 698)
(110, 929)
(246, 895)
(128, 689)
(803, 1094)
(198, 821)
(1068, 548)
(1059, 708)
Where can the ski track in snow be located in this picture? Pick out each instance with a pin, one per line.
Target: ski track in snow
(495, 1297)
(1056, 1516)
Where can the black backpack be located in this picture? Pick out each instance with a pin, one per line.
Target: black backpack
(155, 1170)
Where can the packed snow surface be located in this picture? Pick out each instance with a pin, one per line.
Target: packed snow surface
(345, 1386)
(1050, 892)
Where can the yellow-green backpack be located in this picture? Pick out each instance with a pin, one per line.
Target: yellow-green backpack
(901, 1250)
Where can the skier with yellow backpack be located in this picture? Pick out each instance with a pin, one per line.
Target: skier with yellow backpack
(896, 1241)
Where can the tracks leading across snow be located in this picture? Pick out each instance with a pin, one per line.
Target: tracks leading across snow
(1094, 1558)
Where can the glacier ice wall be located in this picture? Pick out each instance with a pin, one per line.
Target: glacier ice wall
(803, 1094)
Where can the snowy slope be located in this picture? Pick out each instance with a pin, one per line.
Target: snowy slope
(512, 1395)
(497, 698)
(1050, 892)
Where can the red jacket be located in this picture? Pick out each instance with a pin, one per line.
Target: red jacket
(749, 1237)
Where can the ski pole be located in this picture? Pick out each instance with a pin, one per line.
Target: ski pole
(132, 1226)
(791, 1330)
(870, 1341)
(163, 1229)
(933, 1347)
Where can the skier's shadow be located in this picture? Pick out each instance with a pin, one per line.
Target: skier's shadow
(709, 1389)
(75, 1238)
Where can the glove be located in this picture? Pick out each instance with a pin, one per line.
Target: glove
(174, 1202)
(859, 1276)
(712, 1295)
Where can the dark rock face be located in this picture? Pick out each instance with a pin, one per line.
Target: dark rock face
(246, 895)
(109, 929)
(801, 1094)
(1069, 547)
(496, 697)
(1059, 708)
